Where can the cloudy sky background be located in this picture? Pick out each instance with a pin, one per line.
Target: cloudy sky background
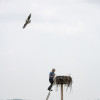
(63, 34)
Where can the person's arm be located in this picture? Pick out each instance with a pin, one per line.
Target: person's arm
(52, 75)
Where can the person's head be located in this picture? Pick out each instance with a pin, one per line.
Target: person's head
(53, 70)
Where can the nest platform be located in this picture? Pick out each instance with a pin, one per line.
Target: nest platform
(66, 80)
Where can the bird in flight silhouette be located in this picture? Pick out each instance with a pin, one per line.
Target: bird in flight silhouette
(27, 21)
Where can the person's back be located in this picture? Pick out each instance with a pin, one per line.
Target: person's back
(51, 74)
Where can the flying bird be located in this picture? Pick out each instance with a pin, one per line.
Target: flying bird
(27, 21)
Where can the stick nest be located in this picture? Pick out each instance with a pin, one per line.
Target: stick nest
(66, 80)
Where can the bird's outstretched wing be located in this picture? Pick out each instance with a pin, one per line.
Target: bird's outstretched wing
(29, 17)
(25, 24)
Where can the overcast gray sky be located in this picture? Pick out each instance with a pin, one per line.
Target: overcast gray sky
(63, 34)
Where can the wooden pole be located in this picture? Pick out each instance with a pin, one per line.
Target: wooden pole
(61, 91)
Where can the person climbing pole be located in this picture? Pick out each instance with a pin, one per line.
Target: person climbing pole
(51, 78)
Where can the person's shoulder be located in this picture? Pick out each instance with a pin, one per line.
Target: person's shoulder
(50, 73)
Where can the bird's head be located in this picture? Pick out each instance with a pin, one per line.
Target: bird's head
(29, 21)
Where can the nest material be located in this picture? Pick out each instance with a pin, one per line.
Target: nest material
(66, 80)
